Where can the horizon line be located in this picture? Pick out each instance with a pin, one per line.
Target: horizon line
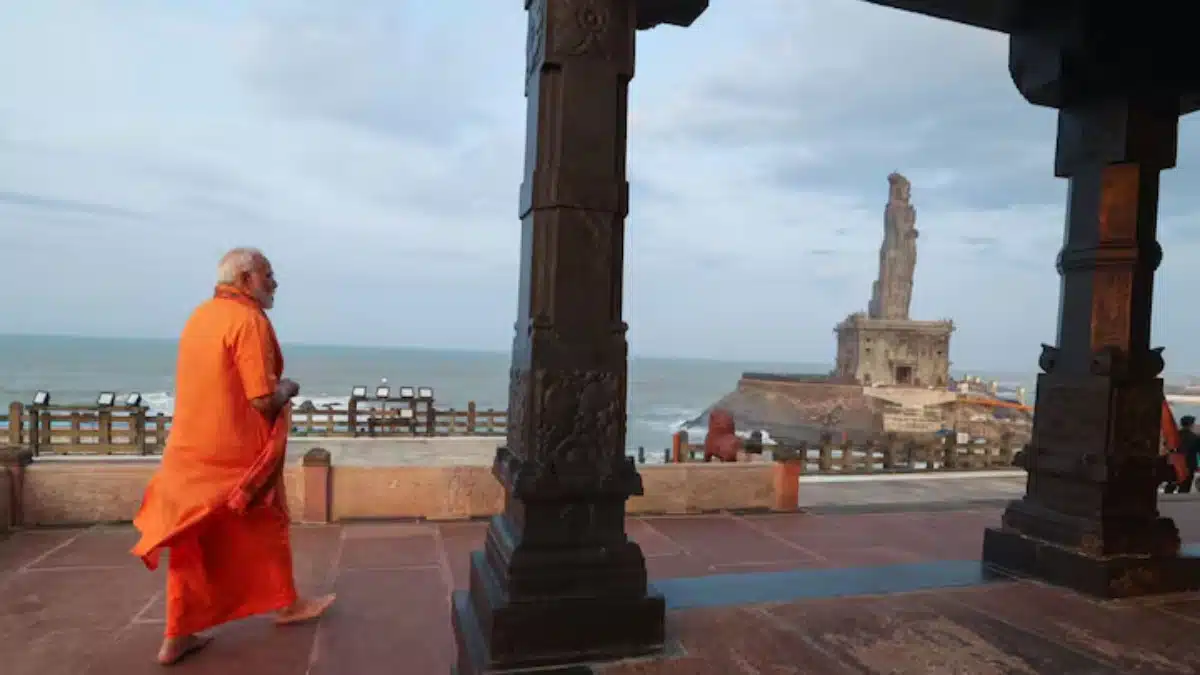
(496, 352)
(464, 350)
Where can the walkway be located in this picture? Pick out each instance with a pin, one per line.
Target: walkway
(840, 593)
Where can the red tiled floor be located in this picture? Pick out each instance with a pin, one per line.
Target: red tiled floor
(653, 542)
(399, 617)
(254, 646)
(51, 621)
(389, 546)
(458, 541)
(94, 547)
(26, 547)
(676, 566)
(727, 540)
(884, 538)
(1137, 636)
(315, 556)
(76, 602)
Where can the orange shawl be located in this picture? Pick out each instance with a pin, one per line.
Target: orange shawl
(163, 518)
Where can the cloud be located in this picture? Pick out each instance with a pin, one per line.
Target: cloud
(375, 150)
(21, 201)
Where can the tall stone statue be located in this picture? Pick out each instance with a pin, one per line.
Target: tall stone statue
(891, 293)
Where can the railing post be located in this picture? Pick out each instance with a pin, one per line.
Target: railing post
(471, 418)
(889, 451)
(137, 427)
(950, 453)
(825, 460)
(352, 417)
(680, 448)
(160, 432)
(1005, 454)
(430, 419)
(42, 436)
(869, 455)
(104, 429)
(16, 423)
(316, 467)
(76, 424)
(13, 462)
(910, 455)
(785, 477)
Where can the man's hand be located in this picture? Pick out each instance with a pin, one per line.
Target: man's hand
(288, 389)
(270, 406)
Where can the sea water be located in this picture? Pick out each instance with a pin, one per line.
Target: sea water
(664, 393)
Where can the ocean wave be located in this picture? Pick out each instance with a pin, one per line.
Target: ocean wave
(666, 419)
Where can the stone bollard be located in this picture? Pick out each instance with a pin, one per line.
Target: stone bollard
(317, 465)
(679, 447)
(789, 464)
(13, 460)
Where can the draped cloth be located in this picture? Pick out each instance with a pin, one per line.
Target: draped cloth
(1170, 434)
(217, 503)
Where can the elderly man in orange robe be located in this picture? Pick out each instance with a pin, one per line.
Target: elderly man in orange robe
(217, 502)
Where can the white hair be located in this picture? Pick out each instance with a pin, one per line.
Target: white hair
(236, 263)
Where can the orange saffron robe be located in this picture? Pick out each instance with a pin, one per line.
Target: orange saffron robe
(216, 502)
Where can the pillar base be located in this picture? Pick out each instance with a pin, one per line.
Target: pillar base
(1108, 577)
(498, 636)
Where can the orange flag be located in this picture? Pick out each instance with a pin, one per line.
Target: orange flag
(1170, 434)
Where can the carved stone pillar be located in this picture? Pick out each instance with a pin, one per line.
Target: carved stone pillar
(558, 580)
(1089, 518)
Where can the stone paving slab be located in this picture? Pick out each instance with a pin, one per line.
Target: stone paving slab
(74, 601)
(950, 490)
(912, 489)
(1016, 628)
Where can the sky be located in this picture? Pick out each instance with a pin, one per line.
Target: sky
(374, 150)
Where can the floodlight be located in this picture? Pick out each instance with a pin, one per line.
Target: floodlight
(106, 399)
(407, 393)
(383, 391)
(133, 399)
(425, 393)
(406, 413)
(41, 398)
(358, 392)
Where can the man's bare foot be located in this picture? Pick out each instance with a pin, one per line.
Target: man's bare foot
(174, 649)
(304, 609)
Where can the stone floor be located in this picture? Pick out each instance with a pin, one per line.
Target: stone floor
(875, 491)
(893, 592)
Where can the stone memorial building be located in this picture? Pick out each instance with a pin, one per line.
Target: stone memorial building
(883, 346)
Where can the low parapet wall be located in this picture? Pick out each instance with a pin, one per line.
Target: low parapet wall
(45, 493)
(85, 492)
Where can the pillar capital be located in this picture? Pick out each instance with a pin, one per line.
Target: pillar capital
(651, 13)
(1139, 129)
(1063, 54)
